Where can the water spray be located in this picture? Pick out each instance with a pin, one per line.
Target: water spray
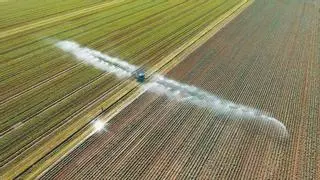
(170, 88)
(95, 58)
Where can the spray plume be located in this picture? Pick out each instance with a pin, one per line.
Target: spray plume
(95, 58)
(170, 88)
(185, 93)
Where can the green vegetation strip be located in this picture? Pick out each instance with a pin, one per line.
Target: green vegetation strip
(15, 13)
(55, 19)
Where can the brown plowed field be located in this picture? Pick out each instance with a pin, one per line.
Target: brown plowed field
(267, 58)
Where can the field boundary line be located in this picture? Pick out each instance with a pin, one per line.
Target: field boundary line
(183, 51)
(44, 22)
(88, 132)
(12, 169)
(131, 91)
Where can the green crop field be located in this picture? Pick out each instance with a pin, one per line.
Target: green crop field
(46, 95)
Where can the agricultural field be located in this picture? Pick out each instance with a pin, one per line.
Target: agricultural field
(47, 95)
(268, 58)
(17, 13)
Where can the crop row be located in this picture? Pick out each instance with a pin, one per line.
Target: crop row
(16, 13)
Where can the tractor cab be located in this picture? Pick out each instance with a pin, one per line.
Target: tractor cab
(140, 76)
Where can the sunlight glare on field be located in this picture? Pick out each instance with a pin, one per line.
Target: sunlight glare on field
(98, 125)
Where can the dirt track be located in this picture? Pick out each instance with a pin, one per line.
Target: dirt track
(267, 58)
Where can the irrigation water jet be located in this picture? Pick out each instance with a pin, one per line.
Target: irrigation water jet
(95, 58)
(186, 93)
(170, 88)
